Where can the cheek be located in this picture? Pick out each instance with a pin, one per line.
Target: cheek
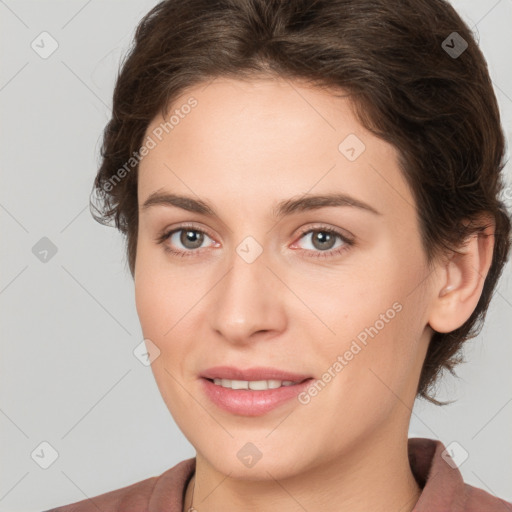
(374, 367)
(377, 323)
(164, 305)
(150, 306)
(159, 296)
(158, 313)
(353, 305)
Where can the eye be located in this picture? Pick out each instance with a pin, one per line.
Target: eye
(189, 237)
(323, 242)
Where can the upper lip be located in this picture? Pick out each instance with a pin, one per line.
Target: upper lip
(255, 373)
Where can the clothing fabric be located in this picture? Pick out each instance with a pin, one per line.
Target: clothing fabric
(443, 489)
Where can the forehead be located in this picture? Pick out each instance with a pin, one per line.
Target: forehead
(267, 139)
(264, 107)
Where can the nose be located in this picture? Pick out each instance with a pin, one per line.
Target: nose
(248, 302)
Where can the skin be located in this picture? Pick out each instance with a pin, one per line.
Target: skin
(246, 146)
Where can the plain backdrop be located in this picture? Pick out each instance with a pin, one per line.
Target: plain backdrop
(69, 326)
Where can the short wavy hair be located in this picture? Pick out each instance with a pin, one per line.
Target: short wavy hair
(411, 78)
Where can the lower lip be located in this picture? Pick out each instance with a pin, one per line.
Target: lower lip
(251, 403)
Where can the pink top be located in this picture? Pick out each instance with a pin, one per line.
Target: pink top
(442, 488)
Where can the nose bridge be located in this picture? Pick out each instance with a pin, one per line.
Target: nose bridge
(245, 281)
(245, 300)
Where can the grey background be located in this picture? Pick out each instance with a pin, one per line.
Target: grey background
(69, 326)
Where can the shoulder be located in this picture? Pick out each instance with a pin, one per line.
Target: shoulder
(136, 497)
(477, 500)
(436, 469)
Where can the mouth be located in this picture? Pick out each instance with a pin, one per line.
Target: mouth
(251, 392)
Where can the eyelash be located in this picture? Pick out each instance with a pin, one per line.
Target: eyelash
(316, 254)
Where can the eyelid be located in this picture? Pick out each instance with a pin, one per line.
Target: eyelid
(324, 227)
(168, 231)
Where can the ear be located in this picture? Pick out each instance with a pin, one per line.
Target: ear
(461, 280)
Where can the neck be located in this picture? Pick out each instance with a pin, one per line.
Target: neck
(375, 477)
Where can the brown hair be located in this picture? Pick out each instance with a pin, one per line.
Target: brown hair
(436, 107)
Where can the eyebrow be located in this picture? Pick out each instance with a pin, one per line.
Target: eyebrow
(286, 207)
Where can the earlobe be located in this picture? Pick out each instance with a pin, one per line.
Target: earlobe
(461, 282)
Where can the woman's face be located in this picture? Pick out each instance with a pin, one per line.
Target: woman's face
(272, 279)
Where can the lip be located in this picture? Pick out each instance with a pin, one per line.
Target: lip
(255, 373)
(246, 402)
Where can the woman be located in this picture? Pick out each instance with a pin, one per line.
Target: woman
(310, 196)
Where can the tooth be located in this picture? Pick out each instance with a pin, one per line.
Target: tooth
(240, 384)
(258, 385)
